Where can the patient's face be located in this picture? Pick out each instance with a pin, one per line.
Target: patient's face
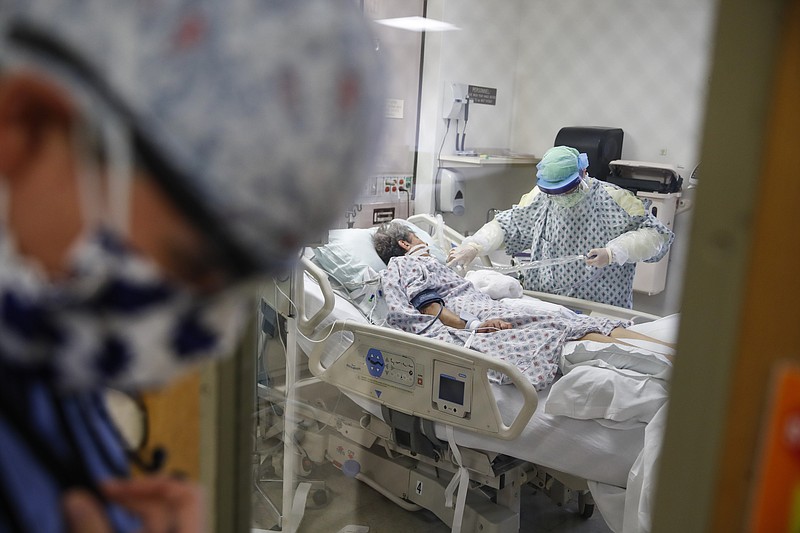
(413, 244)
(414, 240)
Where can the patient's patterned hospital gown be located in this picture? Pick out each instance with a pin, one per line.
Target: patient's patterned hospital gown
(533, 345)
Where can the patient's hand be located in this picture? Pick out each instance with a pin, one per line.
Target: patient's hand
(492, 325)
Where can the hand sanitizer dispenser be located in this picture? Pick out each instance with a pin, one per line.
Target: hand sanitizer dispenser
(450, 192)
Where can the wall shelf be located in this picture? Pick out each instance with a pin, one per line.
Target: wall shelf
(487, 159)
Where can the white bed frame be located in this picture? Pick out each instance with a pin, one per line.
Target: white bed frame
(417, 382)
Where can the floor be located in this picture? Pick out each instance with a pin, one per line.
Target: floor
(348, 506)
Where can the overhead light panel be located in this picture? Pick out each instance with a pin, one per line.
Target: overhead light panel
(418, 24)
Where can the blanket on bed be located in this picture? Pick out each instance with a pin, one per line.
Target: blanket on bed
(621, 387)
(534, 343)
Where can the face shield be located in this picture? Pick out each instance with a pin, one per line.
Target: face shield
(571, 198)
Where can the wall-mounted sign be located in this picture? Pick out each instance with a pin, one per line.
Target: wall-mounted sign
(381, 215)
(394, 108)
(482, 95)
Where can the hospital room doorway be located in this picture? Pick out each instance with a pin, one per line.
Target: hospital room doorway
(491, 48)
(741, 125)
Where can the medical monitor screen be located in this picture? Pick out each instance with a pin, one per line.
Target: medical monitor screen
(451, 389)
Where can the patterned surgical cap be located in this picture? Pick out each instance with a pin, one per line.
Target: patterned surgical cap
(256, 116)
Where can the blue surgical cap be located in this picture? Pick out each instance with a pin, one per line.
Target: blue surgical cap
(257, 117)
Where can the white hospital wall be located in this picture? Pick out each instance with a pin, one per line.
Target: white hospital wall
(483, 52)
(636, 64)
(400, 50)
(640, 65)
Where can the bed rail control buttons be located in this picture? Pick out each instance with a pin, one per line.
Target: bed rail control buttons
(398, 369)
(375, 363)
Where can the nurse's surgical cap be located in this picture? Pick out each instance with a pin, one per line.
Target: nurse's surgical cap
(257, 117)
(558, 171)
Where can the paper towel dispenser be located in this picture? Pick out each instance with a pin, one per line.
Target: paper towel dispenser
(643, 176)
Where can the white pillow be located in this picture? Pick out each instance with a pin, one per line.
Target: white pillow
(605, 393)
(350, 251)
(348, 255)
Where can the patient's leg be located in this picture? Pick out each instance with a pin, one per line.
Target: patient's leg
(622, 333)
(618, 334)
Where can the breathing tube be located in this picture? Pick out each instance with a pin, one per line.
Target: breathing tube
(530, 265)
(417, 250)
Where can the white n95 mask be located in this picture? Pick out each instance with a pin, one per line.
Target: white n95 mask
(571, 198)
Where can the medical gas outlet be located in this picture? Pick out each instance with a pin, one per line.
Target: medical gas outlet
(383, 198)
(396, 184)
(387, 185)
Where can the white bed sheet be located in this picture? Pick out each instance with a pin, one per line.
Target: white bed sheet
(584, 448)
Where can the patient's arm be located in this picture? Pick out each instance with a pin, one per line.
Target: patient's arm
(451, 319)
(447, 317)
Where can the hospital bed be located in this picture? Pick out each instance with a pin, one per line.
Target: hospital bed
(419, 421)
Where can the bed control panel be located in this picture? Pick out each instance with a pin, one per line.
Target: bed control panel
(452, 388)
(418, 377)
(398, 369)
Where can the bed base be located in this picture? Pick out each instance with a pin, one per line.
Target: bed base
(362, 446)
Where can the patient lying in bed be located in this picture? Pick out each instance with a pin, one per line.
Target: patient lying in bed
(425, 297)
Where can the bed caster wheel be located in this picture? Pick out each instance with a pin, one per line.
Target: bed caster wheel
(320, 497)
(585, 506)
(306, 466)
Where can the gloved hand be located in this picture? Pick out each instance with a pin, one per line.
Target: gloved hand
(598, 257)
(463, 254)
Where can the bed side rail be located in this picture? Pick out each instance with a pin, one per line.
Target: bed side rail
(588, 307)
(453, 237)
(276, 293)
(425, 378)
(307, 324)
(423, 220)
